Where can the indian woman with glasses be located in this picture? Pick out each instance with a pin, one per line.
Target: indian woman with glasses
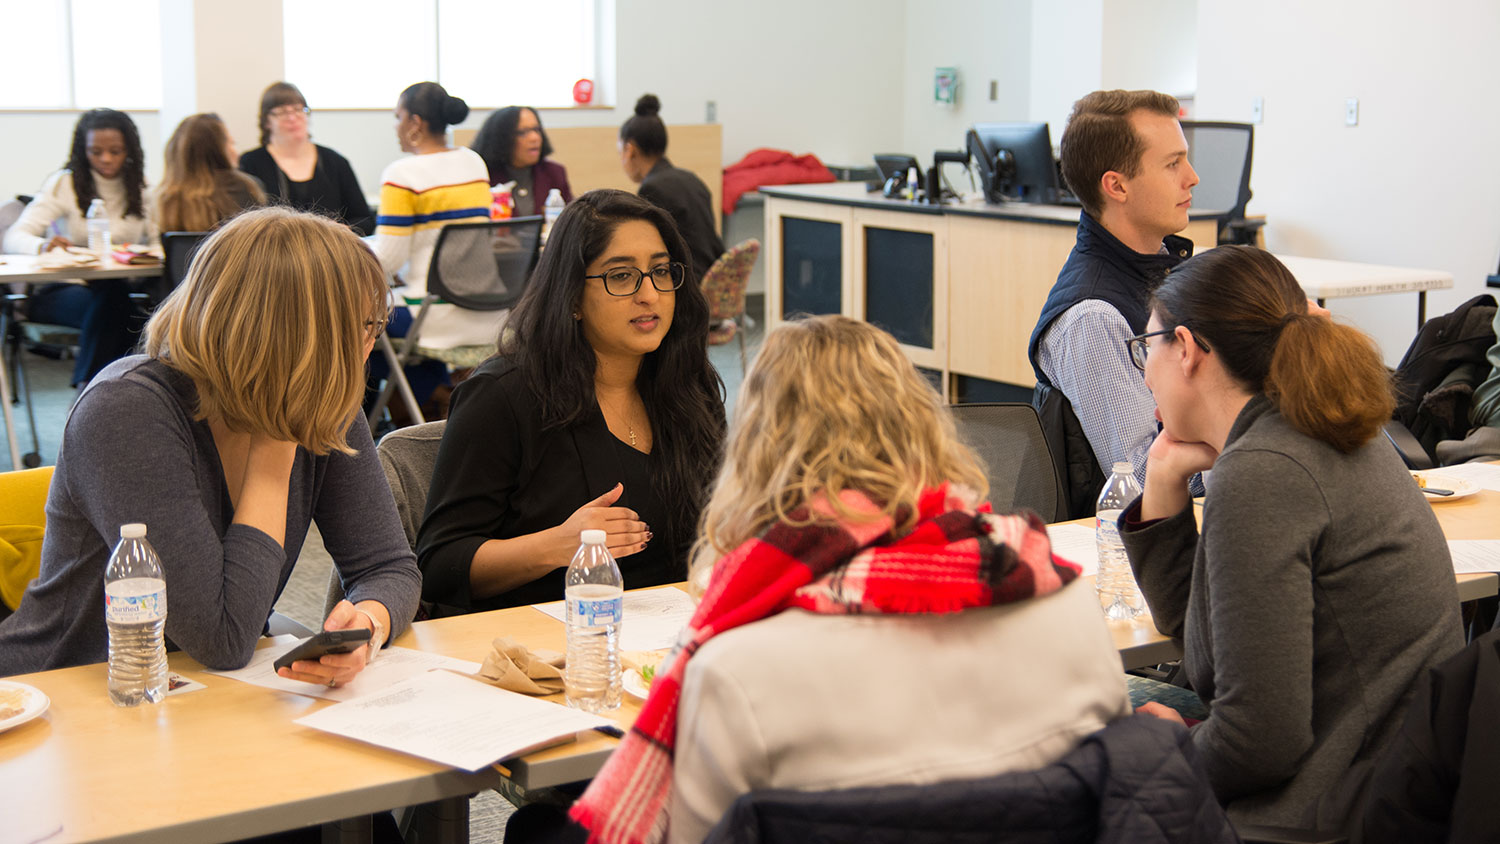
(1319, 587)
(297, 172)
(601, 411)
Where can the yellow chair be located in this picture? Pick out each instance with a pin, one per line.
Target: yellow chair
(23, 518)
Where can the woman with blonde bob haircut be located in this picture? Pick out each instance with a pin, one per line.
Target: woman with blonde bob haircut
(851, 561)
(201, 187)
(236, 428)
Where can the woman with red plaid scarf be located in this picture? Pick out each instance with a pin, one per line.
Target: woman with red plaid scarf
(867, 622)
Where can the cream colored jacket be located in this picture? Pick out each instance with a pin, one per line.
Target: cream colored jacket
(820, 702)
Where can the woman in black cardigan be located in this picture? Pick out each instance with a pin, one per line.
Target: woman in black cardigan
(601, 411)
(643, 154)
(298, 172)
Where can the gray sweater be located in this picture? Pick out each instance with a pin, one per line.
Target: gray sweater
(1318, 592)
(131, 452)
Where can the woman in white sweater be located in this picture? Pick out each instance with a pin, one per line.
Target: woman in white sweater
(866, 624)
(106, 163)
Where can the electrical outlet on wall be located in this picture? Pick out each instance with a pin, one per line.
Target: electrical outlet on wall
(1351, 111)
(711, 113)
(1257, 109)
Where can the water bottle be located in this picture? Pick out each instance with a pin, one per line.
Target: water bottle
(1118, 594)
(595, 598)
(553, 209)
(135, 610)
(98, 223)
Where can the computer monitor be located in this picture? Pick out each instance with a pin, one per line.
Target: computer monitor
(1015, 161)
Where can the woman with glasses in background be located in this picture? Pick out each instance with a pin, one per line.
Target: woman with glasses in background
(515, 148)
(601, 411)
(298, 172)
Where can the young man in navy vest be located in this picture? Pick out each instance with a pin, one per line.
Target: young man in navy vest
(1125, 157)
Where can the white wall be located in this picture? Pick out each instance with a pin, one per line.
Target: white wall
(1415, 184)
(805, 77)
(1066, 58)
(1152, 44)
(986, 40)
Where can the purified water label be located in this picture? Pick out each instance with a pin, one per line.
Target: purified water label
(596, 604)
(135, 601)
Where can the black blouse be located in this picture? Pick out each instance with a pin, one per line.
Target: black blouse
(332, 191)
(499, 475)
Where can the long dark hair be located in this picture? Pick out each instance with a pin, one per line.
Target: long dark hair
(1326, 379)
(134, 170)
(683, 393)
(645, 128)
(496, 140)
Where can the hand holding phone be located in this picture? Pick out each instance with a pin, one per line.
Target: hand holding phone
(327, 642)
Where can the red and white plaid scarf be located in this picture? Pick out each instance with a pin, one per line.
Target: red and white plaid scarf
(955, 558)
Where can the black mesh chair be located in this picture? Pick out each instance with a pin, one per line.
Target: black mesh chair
(1221, 153)
(482, 266)
(178, 249)
(1008, 437)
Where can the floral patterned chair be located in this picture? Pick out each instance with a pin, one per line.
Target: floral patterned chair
(724, 287)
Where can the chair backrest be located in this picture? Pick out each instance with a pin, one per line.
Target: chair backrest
(724, 283)
(10, 212)
(485, 266)
(1008, 437)
(408, 455)
(1221, 153)
(178, 249)
(23, 520)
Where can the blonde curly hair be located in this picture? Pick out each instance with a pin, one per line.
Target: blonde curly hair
(830, 404)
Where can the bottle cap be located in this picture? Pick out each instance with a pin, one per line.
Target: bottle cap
(1123, 468)
(590, 537)
(134, 530)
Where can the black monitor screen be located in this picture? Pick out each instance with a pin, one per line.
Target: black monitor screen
(894, 165)
(1015, 161)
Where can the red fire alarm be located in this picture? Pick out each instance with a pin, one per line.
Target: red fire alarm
(583, 91)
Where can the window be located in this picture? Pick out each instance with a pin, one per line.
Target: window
(489, 52)
(82, 54)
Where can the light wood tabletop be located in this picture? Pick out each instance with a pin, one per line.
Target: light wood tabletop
(25, 268)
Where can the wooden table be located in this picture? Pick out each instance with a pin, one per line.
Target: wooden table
(1323, 279)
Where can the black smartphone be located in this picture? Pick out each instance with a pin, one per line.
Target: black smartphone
(327, 642)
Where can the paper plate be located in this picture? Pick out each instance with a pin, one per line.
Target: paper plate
(1461, 488)
(634, 684)
(28, 699)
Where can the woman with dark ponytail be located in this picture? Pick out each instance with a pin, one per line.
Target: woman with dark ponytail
(643, 154)
(1320, 586)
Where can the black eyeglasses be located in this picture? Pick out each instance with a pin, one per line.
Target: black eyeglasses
(625, 281)
(1138, 348)
(376, 327)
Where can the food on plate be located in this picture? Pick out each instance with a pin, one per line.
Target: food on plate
(648, 673)
(1421, 481)
(12, 703)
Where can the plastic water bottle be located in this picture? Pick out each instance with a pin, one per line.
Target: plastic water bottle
(552, 209)
(595, 598)
(1118, 594)
(135, 609)
(98, 223)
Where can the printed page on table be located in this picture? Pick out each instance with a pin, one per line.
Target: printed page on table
(454, 720)
(393, 666)
(653, 617)
(1075, 543)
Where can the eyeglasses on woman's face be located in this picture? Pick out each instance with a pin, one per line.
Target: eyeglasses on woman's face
(287, 112)
(1139, 349)
(625, 281)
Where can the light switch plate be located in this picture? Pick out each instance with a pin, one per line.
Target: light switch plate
(1257, 109)
(1351, 111)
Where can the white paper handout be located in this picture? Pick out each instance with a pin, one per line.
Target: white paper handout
(1075, 543)
(1485, 475)
(393, 666)
(1474, 555)
(453, 720)
(653, 617)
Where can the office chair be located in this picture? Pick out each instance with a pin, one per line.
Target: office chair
(1221, 153)
(178, 249)
(15, 386)
(23, 520)
(1008, 437)
(482, 266)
